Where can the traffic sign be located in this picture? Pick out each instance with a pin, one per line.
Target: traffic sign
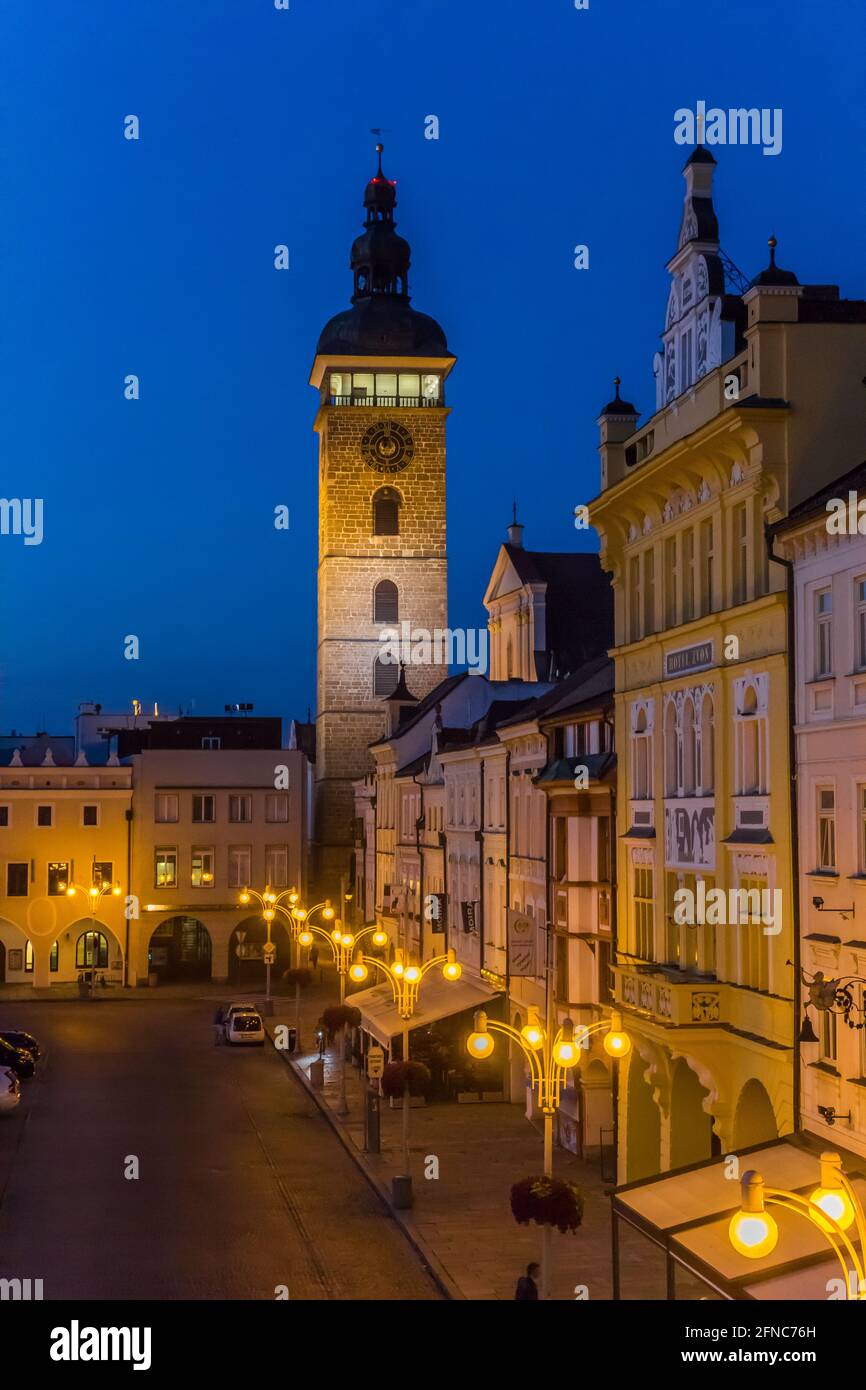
(269, 952)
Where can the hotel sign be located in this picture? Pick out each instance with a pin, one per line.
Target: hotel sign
(686, 659)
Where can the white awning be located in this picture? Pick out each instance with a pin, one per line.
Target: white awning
(437, 998)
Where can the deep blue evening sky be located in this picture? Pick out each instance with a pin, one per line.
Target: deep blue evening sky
(156, 258)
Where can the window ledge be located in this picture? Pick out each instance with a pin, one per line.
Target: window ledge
(821, 680)
(826, 1068)
(822, 873)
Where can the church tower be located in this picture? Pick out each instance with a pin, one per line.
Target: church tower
(380, 371)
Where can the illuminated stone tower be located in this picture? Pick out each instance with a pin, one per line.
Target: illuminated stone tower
(380, 371)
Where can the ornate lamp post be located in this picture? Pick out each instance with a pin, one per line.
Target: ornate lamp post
(342, 944)
(405, 979)
(550, 1056)
(271, 904)
(93, 895)
(832, 1209)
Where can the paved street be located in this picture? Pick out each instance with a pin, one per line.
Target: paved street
(243, 1184)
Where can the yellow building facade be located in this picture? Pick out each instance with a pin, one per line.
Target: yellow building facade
(754, 396)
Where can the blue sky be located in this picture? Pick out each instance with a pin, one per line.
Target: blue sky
(155, 257)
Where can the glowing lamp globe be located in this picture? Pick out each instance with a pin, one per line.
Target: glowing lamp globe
(397, 967)
(753, 1233)
(347, 940)
(479, 1044)
(832, 1197)
(412, 974)
(616, 1044)
(564, 1053)
(93, 892)
(300, 913)
(305, 938)
(336, 935)
(453, 970)
(533, 1035)
(116, 891)
(380, 938)
(245, 897)
(269, 914)
(327, 913)
(358, 972)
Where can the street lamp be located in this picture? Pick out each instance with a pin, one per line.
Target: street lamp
(833, 1208)
(271, 904)
(93, 896)
(405, 979)
(342, 944)
(550, 1055)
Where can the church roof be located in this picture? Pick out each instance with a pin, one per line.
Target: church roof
(578, 607)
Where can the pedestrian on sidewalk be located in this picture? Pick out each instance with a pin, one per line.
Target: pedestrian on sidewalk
(219, 1030)
(527, 1289)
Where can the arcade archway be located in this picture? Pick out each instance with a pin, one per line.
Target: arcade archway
(180, 949)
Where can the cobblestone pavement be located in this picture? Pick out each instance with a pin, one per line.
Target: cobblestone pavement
(243, 1184)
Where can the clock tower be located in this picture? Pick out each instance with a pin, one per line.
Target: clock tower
(380, 371)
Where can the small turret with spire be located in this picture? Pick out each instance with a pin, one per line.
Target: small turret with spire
(515, 530)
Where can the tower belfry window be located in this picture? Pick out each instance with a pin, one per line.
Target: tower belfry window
(386, 512)
(386, 603)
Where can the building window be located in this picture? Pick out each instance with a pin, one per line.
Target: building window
(276, 807)
(827, 828)
(673, 751)
(201, 875)
(204, 809)
(102, 873)
(385, 676)
(5, 818)
(54, 958)
(210, 743)
(671, 581)
(634, 590)
(750, 746)
(240, 809)
(45, 816)
(741, 553)
(754, 956)
(385, 602)
(690, 749)
(277, 866)
(91, 949)
(165, 868)
(860, 619)
(823, 633)
(644, 913)
(708, 567)
(688, 574)
(706, 749)
(28, 957)
(239, 866)
(641, 759)
(562, 968)
(386, 512)
(90, 815)
(58, 879)
(649, 592)
(827, 1037)
(17, 880)
(166, 807)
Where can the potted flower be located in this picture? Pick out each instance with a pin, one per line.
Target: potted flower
(337, 1018)
(548, 1202)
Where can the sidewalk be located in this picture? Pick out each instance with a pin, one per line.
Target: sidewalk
(461, 1223)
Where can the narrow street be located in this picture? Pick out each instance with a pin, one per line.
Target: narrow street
(242, 1184)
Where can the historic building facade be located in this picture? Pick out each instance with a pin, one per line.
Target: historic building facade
(380, 371)
(757, 394)
(826, 550)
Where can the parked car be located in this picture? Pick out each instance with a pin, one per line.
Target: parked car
(17, 1059)
(229, 1009)
(10, 1090)
(18, 1038)
(245, 1026)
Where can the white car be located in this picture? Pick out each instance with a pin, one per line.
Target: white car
(10, 1090)
(245, 1026)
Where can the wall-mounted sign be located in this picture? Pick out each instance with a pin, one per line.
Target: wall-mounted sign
(522, 944)
(686, 659)
(690, 841)
(470, 916)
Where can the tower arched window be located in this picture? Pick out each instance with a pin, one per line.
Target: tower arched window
(386, 512)
(673, 754)
(385, 602)
(706, 778)
(690, 749)
(385, 677)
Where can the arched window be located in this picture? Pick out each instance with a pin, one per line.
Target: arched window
(706, 778)
(672, 755)
(751, 773)
(385, 602)
(386, 512)
(641, 758)
(690, 749)
(84, 951)
(385, 677)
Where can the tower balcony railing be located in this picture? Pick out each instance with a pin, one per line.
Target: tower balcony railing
(385, 402)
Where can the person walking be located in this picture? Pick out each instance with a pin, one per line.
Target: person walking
(527, 1289)
(219, 1029)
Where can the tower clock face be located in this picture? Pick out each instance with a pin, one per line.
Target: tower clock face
(388, 447)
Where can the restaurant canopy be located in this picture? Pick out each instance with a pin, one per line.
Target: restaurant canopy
(437, 998)
(687, 1214)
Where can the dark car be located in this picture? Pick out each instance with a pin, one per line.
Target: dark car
(17, 1059)
(18, 1038)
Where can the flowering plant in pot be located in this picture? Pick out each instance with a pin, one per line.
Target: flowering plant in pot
(405, 1079)
(548, 1202)
(337, 1018)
